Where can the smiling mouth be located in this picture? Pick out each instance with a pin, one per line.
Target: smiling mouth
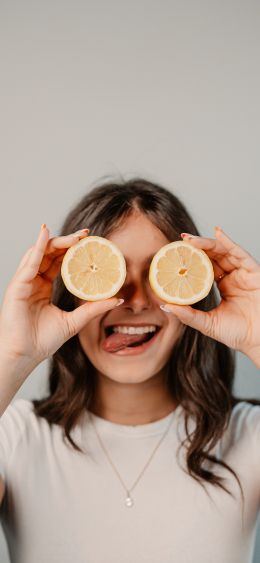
(115, 342)
(148, 335)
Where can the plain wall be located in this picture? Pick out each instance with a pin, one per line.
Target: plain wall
(167, 90)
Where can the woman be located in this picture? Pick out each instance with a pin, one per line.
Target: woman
(139, 454)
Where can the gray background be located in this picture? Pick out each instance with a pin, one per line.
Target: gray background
(167, 90)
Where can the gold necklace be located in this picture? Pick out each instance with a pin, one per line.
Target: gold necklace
(129, 500)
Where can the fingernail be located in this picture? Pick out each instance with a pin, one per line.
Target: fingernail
(80, 233)
(217, 228)
(43, 226)
(165, 308)
(119, 302)
(188, 235)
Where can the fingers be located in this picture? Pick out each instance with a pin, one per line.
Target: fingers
(224, 251)
(24, 259)
(41, 256)
(51, 264)
(57, 244)
(199, 320)
(236, 252)
(80, 317)
(218, 271)
(214, 249)
(54, 269)
(31, 261)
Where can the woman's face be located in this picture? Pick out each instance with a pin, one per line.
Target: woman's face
(138, 239)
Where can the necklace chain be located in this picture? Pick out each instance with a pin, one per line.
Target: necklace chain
(129, 501)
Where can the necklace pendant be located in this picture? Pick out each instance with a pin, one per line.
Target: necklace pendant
(129, 501)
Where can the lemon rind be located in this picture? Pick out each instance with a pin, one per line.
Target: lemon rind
(98, 296)
(158, 290)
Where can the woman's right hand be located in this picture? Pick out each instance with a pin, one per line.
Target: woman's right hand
(31, 327)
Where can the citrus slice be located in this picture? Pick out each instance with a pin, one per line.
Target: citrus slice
(181, 274)
(93, 269)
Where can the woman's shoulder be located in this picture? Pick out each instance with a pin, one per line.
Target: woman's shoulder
(13, 424)
(17, 416)
(16, 413)
(243, 428)
(245, 416)
(16, 409)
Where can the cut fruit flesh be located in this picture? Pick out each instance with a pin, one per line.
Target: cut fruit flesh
(93, 269)
(181, 274)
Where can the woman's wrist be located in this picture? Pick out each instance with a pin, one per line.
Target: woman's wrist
(15, 367)
(13, 372)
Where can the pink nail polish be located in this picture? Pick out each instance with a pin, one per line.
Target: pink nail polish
(165, 308)
(80, 233)
(188, 235)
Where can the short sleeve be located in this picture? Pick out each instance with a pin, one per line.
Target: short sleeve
(240, 445)
(253, 427)
(250, 427)
(12, 424)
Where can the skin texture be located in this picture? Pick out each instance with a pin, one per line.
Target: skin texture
(131, 389)
(123, 382)
(236, 320)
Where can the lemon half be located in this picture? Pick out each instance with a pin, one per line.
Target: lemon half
(181, 274)
(93, 269)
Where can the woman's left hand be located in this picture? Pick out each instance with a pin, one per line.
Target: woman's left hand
(236, 320)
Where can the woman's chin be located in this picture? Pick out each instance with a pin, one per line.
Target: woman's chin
(128, 377)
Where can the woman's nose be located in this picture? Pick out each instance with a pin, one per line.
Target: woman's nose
(137, 295)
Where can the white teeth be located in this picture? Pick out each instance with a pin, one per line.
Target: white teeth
(134, 330)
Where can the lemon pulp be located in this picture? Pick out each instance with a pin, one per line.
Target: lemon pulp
(181, 274)
(93, 269)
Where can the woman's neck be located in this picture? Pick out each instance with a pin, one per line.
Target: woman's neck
(132, 403)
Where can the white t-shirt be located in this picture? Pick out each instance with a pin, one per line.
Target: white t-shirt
(62, 506)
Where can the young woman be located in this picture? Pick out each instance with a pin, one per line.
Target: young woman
(140, 454)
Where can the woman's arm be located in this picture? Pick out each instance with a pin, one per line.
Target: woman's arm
(32, 328)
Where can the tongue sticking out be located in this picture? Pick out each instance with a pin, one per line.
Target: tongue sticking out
(118, 341)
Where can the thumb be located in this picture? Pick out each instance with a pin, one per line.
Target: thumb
(80, 316)
(200, 320)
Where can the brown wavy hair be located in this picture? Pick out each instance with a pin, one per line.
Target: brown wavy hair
(200, 372)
